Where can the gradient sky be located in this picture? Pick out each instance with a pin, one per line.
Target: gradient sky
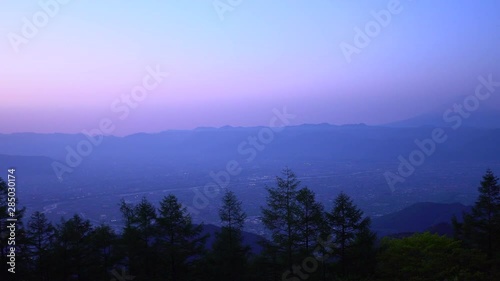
(264, 54)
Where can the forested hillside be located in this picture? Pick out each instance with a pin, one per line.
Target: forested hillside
(305, 241)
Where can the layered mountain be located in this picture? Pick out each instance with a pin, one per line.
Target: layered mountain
(420, 217)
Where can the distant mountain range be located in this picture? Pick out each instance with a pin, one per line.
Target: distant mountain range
(304, 143)
(327, 158)
(420, 217)
(205, 149)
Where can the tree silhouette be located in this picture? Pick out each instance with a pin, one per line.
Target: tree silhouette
(346, 225)
(103, 244)
(73, 248)
(138, 237)
(229, 256)
(282, 217)
(481, 228)
(311, 220)
(179, 240)
(40, 235)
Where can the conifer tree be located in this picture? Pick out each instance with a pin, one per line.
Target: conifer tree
(312, 220)
(103, 241)
(347, 225)
(480, 229)
(179, 240)
(138, 238)
(229, 255)
(282, 217)
(40, 236)
(73, 249)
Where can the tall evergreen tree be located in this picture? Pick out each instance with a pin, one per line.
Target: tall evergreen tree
(347, 225)
(73, 249)
(312, 220)
(179, 240)
(40, 236)
(486, 216)
(282, 217)
(481, 228)
(103, 241)
(229, 255)
(138, 238)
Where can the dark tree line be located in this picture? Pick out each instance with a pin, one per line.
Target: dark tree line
(306, 242)
(309, 243)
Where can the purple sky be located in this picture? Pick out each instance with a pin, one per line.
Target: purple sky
(262, 55)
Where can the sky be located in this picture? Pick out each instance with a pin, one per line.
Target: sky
(232, 62)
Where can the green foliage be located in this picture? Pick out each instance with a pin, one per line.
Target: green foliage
(424, 257)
